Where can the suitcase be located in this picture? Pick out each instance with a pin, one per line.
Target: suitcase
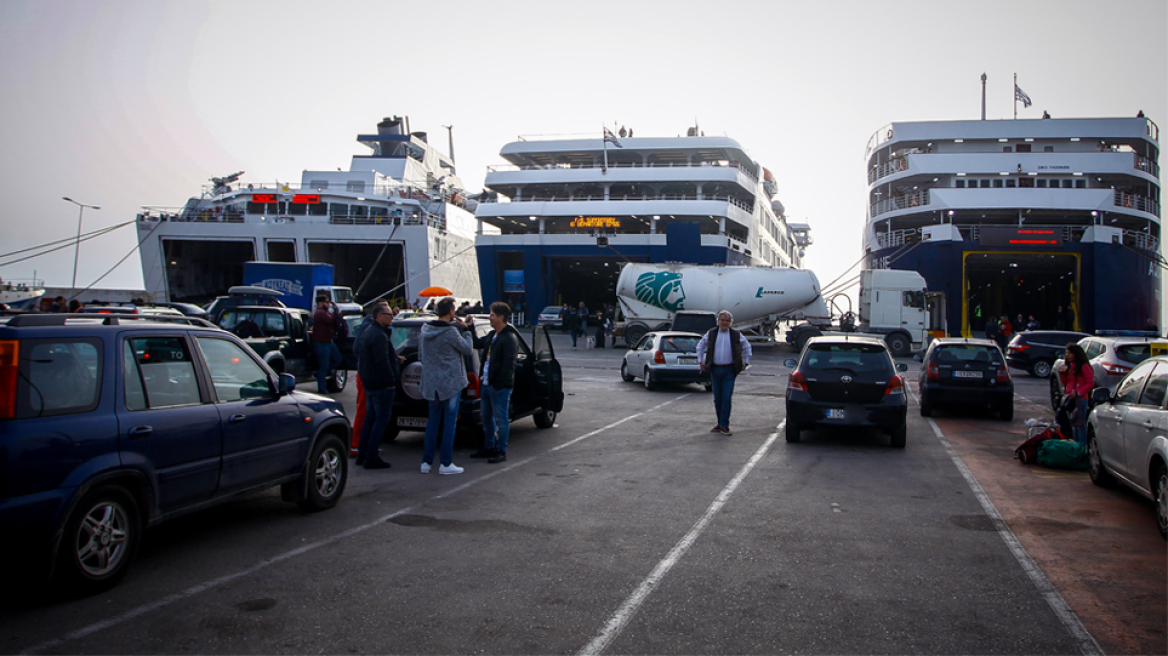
(1039, 432)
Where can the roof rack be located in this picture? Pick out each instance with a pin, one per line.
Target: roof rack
(61, 319)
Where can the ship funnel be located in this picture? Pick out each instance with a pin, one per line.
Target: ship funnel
(391, 126)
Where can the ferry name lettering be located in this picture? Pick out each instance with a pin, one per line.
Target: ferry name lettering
(287, 286)
(1054, 167)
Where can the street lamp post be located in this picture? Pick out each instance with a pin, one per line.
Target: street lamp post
(77, 246)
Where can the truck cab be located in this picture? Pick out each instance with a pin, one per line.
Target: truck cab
(342, 296)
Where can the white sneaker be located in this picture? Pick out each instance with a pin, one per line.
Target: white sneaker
(450, 469)
(425, 468)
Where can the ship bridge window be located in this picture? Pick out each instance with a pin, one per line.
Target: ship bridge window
(298, 209)
(1007, 149)
(379, 212)
(319, 209)
(318, 184)
(1022, 148)
(998, 184)
(1079, 184)
(357, 186)
(985, 184)
(262, 208)
(359, 210)
(338, 209)
(1048, 149)
(1010, 184)
(960, 184)
(1042, 184)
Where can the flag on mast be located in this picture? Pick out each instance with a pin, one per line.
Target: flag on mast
(1019, 94)
(609, 137)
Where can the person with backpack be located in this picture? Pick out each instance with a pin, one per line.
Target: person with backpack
(1078, 379)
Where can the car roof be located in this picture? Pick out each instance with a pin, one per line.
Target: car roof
(1115, 340)
(976, 341)
(75, 322)
(252, 290)
(675, 333)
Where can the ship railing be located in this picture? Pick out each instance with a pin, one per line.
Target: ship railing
(635, 197)
(1067, 234)
(21, 284)
(897, 165)
(894, 238)
(1134, 202)
(903, 202)
(410, 219)
(494, 168)
(1146, 165)
(392, 190)
(1141, 240)
(204, 215)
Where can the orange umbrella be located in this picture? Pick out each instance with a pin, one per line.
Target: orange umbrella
(434, 291)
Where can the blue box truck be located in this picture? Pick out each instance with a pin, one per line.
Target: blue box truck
(301, 283)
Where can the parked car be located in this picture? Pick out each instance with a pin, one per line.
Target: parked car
(1036, 350)
(188, 309)
(552, 316)
(243, 295)
(108, 427)
(1127, 435)
(538, 390)
(664, 357)
(1111, 358)
(282, 337)
(958, 371)
(846, 380)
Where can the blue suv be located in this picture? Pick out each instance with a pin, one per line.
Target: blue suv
(111, 425)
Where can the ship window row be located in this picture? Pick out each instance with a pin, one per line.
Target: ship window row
(319, 209)
(1011, 183)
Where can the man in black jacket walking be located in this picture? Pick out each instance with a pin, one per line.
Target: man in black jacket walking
(500, 351)
(378, 366)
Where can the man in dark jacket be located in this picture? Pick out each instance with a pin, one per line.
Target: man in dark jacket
(500, 351)
(328, 356)
(378, 366)
(359, 415)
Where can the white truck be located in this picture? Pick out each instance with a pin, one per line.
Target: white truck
(893, 303)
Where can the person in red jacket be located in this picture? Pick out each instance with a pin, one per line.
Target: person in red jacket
(1078, 379)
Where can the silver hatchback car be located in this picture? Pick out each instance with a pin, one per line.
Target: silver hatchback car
(664, 357)
(1111, 358)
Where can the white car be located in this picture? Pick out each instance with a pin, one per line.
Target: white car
(1111, 358)
(1127, 435)
(664, 357)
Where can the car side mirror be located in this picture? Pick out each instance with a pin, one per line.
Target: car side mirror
(1100, 395)
(287, 383)
(902, 367)
(789, 363)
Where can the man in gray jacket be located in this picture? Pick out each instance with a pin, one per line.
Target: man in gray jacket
(442, 350)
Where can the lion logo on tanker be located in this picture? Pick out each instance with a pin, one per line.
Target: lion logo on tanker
(661, 289)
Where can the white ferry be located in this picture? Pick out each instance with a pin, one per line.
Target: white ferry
(394, 223)
(1025, 217)
(567, 212)
(21, 294)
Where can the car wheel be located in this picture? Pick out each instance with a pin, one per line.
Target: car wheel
(633, 335)
(899, 344)
(926, 405)
(650, 384)
(100, 540)
(1006, 410)
(1098, 472)
(792, 432)
(1160, 490)
(899, 435)
(336, 382)
(1056, 394)
(544, 418)
(1040, 368)
(327, 473)
(625, 375)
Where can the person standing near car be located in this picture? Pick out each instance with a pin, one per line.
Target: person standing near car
(1078, 379)
(725, 353)
(582, 315)
(379, 367)
(324, 328)
(442, 350)
(359, 415)
(500, 352)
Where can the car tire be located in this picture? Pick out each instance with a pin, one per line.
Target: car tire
(899, 436)
(625, 375)
(926, 405)
(100, 540)
(1006, 410)
(650, 384)
(801, 336)
(793, 432)
(1040, 368)
(1095, 467)
(544, 418)
(1160, 493)
(326, 474)
(337, 380)
(899, 344)
(1056, 394)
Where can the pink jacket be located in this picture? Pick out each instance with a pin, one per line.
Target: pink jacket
(1078, 385)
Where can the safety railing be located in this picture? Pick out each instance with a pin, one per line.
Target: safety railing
(1146, 165)
(897, 165)
(897, 237)
(1134, 202)
(634, 197)
(903, 202)
(1141, 240)
(494, 168)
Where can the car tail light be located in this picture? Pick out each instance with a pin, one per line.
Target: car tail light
(659, 357)
(1003, 374)
(933, 372)
(895, 386)
(1115, 369)
(473, 388)
(1019, 347)
(9, 362)
(797, 382)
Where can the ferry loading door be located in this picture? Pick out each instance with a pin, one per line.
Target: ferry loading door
(1010, 283)
(588, 279)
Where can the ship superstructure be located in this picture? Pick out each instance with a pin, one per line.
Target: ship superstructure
(1022, 217)
(396, 220)
(569, 212)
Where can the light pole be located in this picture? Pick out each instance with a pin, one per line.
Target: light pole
(77, 246)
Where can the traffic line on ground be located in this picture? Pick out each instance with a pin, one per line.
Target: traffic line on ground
(1087, 643)
(267, 562)
(620, 619)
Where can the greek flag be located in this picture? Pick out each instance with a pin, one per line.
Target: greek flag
(609, 137)
(1019, 94)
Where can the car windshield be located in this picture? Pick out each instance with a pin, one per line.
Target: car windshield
(855, 358)
(342, 296)
(405, 337)
(1134, 353)
(270, 323)
(966, 353)
(552, 310)
(680, 344)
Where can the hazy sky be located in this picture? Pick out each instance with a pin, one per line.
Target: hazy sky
(124, 104)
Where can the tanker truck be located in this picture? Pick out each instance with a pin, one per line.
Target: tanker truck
(892, 302)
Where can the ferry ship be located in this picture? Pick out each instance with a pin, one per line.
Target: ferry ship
(568, 212)
(1030, 217)
(397, 221)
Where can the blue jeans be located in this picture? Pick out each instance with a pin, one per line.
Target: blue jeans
(1079, 431)
(722, 382)
(444, 413)
(328, 357)
(378, 414)
(574, 332)
(496, 418)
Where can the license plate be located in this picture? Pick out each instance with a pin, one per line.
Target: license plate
(687, 361)
(967, 374)
(412, 422)
(835, 413)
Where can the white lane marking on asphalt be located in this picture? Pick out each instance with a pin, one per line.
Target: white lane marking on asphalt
(1070, 620)
(263, 564)
(632, 604)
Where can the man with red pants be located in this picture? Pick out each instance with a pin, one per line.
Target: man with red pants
(359, 414)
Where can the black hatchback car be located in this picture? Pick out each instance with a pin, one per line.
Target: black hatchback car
(845, 380)
(966, 372)
(1036, 350)
(538, 391)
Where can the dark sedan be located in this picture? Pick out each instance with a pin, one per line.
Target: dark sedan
(965, 372)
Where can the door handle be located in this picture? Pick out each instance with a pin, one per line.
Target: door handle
(140, 431)
(1148, 425)
(235, 419)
